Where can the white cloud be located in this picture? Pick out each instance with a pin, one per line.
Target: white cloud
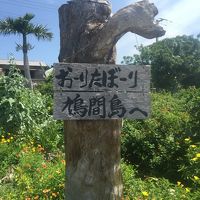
(183, 16)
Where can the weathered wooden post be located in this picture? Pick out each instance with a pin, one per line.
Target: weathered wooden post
(82, 91)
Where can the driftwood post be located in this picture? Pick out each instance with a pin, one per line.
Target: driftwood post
(89, 35)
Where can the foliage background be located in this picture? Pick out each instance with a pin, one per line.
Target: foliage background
(175, 62)
(161, 155)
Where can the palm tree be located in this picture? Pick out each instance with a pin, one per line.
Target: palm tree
(22, 26)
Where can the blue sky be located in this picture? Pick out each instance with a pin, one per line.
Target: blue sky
(183, 18)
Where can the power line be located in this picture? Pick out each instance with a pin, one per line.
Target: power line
(5, 14)
(57, 4)
(13, 12)
(28, 5)
(37, 4)
(25, 3)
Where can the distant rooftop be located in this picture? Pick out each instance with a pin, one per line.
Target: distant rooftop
(20, 63)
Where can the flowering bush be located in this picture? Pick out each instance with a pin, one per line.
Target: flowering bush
(191, 168)
(165, 146)
(35, 176)
(191, 99)
(152, 188)
(157, 145)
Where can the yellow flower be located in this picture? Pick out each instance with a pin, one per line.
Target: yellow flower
(178, 183)
(33, 149)
(193, 146)
(11, 138)
(8, 133)
(63, 161)
(187, 139)
(145, 193)
(44, 165)
(40, 148)
(58, 171)
(54, 194)
(187, 190)
(3, 140)
(8, 140)
(196, 178)
(61, 185)
(36, 197)
(194, 159)
(198, 155)
(46, 191)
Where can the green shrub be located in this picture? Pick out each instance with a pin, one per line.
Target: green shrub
(157, 145)
(26, 113)
(190, 169)
(8, 159)
(191, 99)
(46, 89)
(49, 134)
(11, 108)
(20, 107)
(152, 188)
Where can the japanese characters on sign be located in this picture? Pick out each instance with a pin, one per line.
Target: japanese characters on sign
(94, 91)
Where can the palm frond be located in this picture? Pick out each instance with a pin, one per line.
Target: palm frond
(16, 26)
(42, 33)
(7, 26)
(28, 17)
(19, 47)
(22, 25)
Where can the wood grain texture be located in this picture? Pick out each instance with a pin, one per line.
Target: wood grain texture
(127, 96)
(88, 34)
(125, 77)
(132, 106)
(93, 160)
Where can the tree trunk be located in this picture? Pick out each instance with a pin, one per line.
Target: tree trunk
(93, 160)
(88, 35)
(26, 63)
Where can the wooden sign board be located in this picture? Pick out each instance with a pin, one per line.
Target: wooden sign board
(100, 91)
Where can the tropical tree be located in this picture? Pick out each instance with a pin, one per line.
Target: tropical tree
(175, 62)
(22, 26)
